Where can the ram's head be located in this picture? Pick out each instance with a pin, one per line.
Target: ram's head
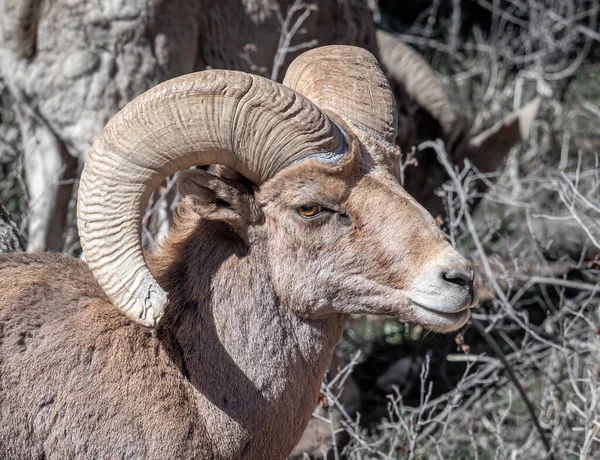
(310, 187)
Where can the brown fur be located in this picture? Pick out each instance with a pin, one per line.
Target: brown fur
(234, 368)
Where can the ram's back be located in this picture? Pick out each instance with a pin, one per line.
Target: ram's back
(77, 379)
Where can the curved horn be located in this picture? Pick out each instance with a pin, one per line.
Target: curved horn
(347, 81)
(245, 122)
(412, 71)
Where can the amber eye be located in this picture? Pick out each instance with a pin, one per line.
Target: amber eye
(310, 210)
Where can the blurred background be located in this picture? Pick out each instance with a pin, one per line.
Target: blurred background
(499, 122)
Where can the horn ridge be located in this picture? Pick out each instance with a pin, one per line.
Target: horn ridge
(347, 81)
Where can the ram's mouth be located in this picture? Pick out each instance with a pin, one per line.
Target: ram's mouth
(449, 315)
(441, 321)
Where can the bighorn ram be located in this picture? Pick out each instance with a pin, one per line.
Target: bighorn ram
(302, 224)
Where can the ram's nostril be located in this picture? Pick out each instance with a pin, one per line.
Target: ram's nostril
(462, 277)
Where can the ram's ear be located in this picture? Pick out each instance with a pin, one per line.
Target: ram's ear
(218, 198)
(487, 150)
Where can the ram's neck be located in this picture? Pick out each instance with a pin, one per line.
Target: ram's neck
(257, 367)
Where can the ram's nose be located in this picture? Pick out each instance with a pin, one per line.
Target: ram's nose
(461, 277)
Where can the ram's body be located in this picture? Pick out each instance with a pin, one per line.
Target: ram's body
(85, 372)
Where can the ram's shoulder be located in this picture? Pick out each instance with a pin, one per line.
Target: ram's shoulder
(44, 272)
(53, 292)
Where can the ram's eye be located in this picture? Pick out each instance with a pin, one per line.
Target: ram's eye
(310, 210)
